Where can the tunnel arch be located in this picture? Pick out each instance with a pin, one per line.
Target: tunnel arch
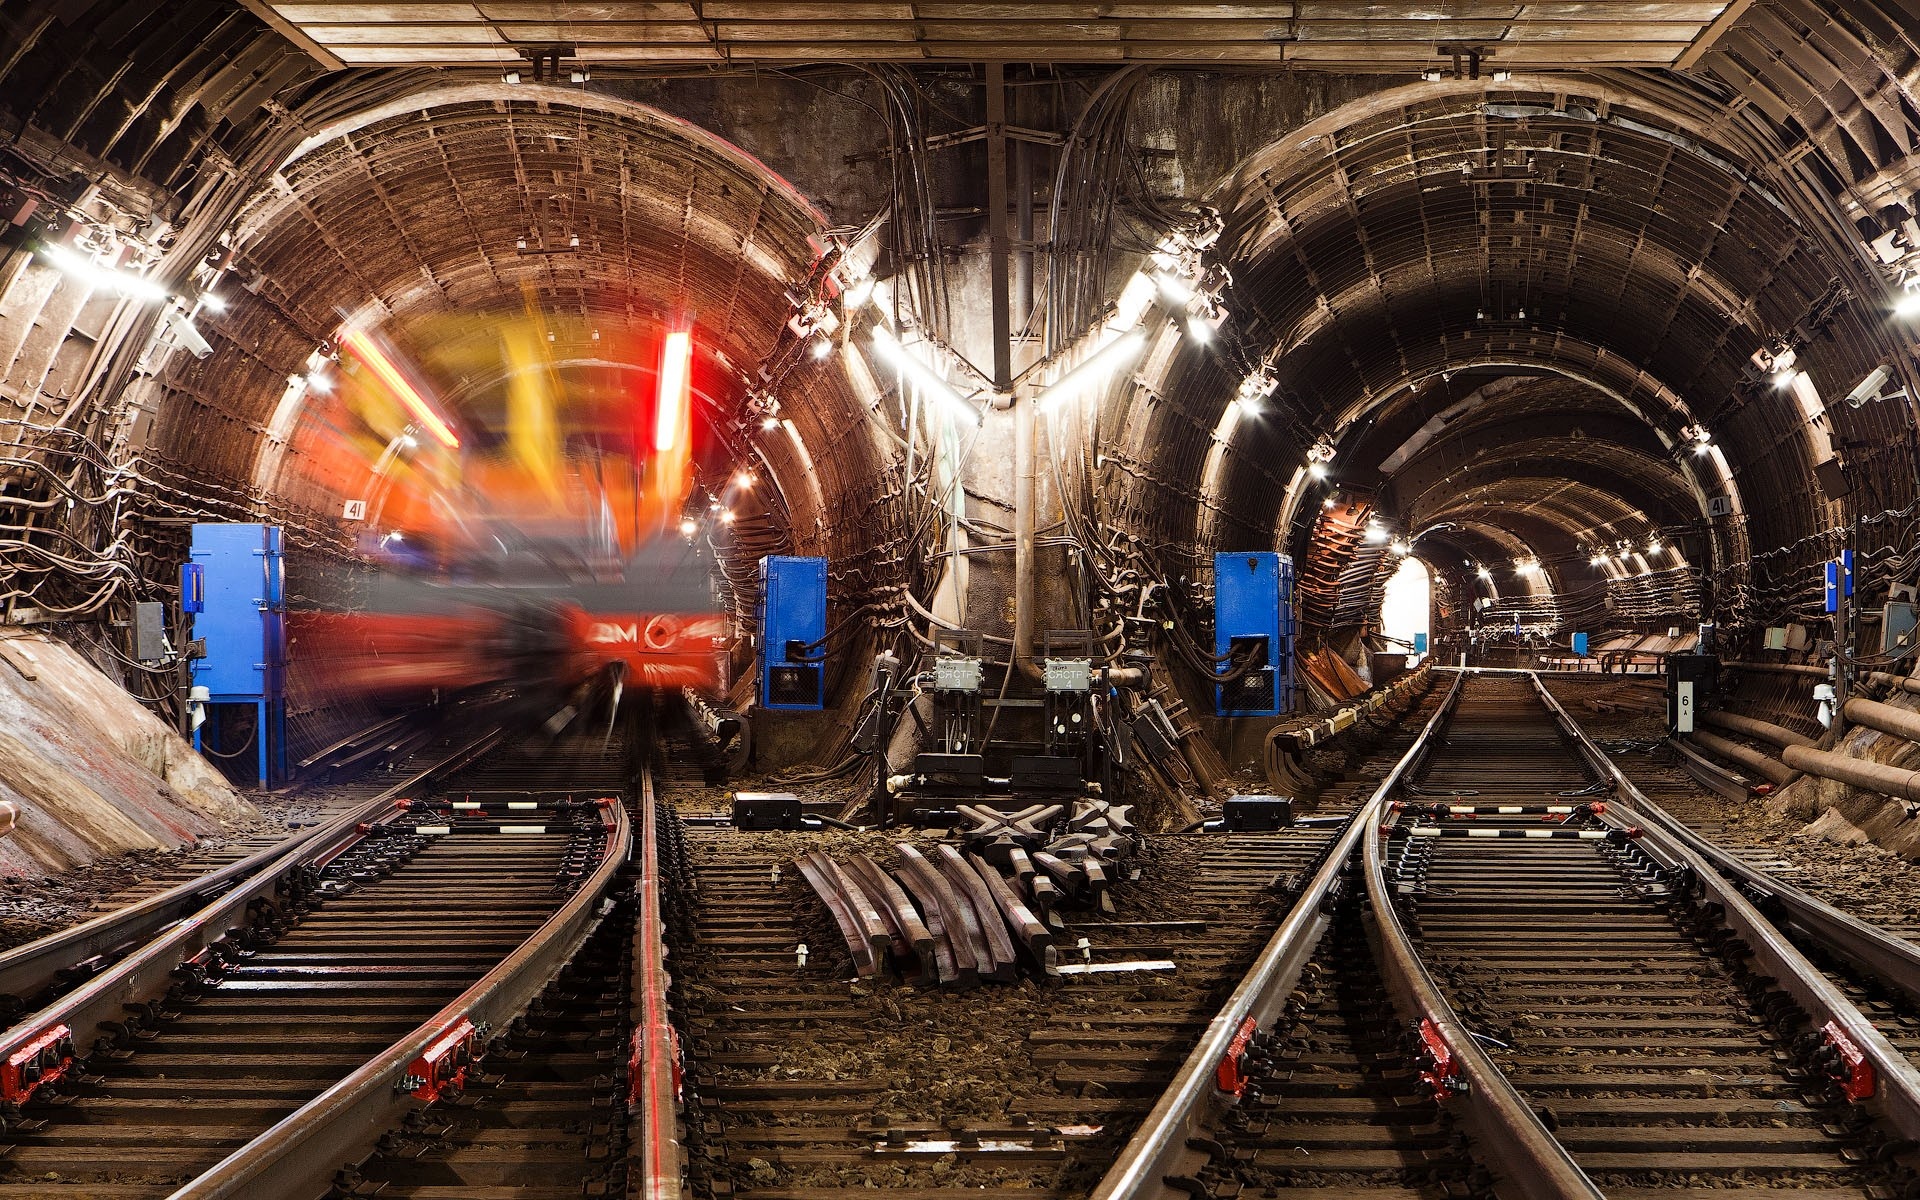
(1593, 228)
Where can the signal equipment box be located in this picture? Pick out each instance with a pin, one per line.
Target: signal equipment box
(1253, 613)
(237, 600)
(1691, 680)
(793, 619)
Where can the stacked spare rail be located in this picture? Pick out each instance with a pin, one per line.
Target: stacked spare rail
(1575, 988)
(256, 1047)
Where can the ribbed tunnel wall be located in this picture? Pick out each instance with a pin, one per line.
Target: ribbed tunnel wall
(1384, 238)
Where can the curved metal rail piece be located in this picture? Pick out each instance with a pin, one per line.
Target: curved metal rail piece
(1896, 1088)
(298, 1158)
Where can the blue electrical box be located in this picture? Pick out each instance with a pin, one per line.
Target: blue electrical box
(793, 621)
(1253, 614)
(235, 590)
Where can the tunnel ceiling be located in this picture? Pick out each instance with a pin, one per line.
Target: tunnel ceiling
(1393, 35)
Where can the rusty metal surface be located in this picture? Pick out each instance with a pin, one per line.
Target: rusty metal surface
(1369, 37)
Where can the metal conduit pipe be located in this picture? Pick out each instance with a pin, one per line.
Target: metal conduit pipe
(1767, 768)
(1807, 669)
(1764, 731)
(1872, 776)
(1905, 683)
(1884, 717)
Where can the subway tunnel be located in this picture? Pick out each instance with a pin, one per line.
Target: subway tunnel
(1601, 321)
(1578, 318)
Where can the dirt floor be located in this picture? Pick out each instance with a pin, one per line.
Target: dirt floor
(1870, 882)
(1083, 1054)
(34, 908)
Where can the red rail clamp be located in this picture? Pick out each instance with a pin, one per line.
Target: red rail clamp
(1442, 1074)
(1850, 1068)
(669, 1040)
(38, 1061)
(443, 1065)
(1230, 1076)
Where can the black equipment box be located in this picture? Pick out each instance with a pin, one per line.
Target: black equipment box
(766, 810)
(952, 770)
(1049, 774)
(1256, 814)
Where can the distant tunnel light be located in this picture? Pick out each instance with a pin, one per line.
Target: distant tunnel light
(80, 267)
(670, 408)
(369, 353)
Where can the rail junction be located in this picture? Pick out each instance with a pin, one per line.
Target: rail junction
(1486, 964)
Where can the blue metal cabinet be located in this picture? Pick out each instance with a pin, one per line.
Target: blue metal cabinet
(241, 618)
(793, 619)
(1253, 610)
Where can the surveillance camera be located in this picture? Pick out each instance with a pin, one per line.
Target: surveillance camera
(1869, 388)
(185, 333)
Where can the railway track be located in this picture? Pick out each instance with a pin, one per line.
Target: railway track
(36, 973)
(1656, 1058)
(804, 1082)
(1581, 1006)
(321, 999)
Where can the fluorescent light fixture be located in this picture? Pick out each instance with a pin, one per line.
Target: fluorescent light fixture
(1174, 288)
(1598, 560)
(924, 377)
(89, 272)
(1319, 471)
(1376, 533)
(376, 360)
(858, 294)
(1096, 366)
(212, 302)
(1484, 573)
(1133, 301)
(674, 389)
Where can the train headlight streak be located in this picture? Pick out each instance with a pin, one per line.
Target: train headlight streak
(374, 359)
(670, 409)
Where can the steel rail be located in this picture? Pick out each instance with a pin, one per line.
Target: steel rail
(298, 1158)
(659, 1167)
(1192, 1104)
(1525, 1159)
(1896, 1096)
(34, 968)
